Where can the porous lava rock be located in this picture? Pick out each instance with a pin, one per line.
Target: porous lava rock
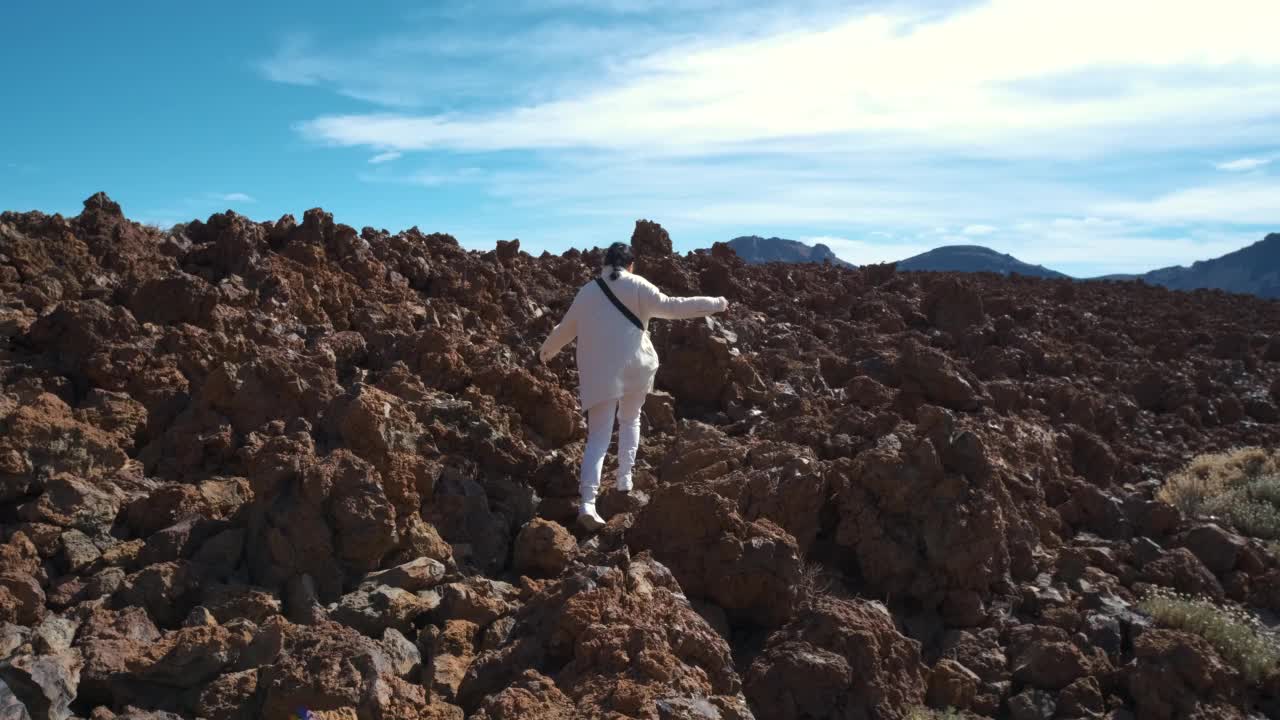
(249, 467)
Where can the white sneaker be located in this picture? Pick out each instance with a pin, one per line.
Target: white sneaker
(588, 518)
(624, 485)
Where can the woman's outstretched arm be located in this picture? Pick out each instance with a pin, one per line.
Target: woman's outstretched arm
(562, 335)
(660, 305)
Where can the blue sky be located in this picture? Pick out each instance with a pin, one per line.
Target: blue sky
(1092, 136)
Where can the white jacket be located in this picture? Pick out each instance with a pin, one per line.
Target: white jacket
(616, 358)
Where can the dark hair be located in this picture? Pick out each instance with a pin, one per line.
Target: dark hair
(618, 256)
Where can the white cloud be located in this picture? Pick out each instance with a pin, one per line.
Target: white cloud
(1172, 69)
(1241, 203)
(384, 157)
(1244, 164)
(1077, 246)
(978, 230)
(1090, 246)
(235, 197)
(861, 252)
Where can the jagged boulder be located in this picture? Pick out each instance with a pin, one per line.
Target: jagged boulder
(837, 659)
(623, 637)
(748, 568)
(544, 548)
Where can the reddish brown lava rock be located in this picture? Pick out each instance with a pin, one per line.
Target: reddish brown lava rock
(650, 239)
(250, 466)
(837, 659)
(625, 640)
(1179, 675)
(748, 568)
(951, 685)
(1180, 570)
(543, 548)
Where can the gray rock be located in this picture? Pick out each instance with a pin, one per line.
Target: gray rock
(105, 583)
(421, 574)
(372, 611)
(1104, 632)
(301, 602)
(1215, 547)
(11, 708)
(687, 708)
(46, 684)
(403, 654)
(179, 540)
(69, 501)
(12, 637)
(497, 634)
(1032, 705)
(133, 713)
(1132, 623)
(78, 551)
(1145, 550)
(54, 634)
(199, 617)
(222, 552)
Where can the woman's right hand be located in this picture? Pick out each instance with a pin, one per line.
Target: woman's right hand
(724, 304)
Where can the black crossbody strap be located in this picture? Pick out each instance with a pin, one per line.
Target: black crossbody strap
(618, 304)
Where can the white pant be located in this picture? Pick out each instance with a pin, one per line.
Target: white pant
(600, 433)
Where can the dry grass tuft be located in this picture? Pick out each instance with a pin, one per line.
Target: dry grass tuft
(1236, 634)
(814, 581)
(1209, 476)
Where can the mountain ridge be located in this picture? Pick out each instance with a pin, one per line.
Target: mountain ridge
(973, 258)
(757, 249)
(1254, 269)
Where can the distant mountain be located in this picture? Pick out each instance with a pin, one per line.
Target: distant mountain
(755, 249)
(1253, 270)
(974, 258)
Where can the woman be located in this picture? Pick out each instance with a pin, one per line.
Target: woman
(616, 362)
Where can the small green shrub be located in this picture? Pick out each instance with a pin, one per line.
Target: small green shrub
(1253, 517)
(1266, 489)
(1235, 634)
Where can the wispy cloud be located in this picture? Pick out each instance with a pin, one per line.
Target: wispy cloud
(235, 197)
(889, 128)
(945, 81)
(1245, 164)
(1094, 245)
(1243, 203)
(1071, 245)
(863, 252)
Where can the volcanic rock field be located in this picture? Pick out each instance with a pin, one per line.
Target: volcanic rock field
(266, 470)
